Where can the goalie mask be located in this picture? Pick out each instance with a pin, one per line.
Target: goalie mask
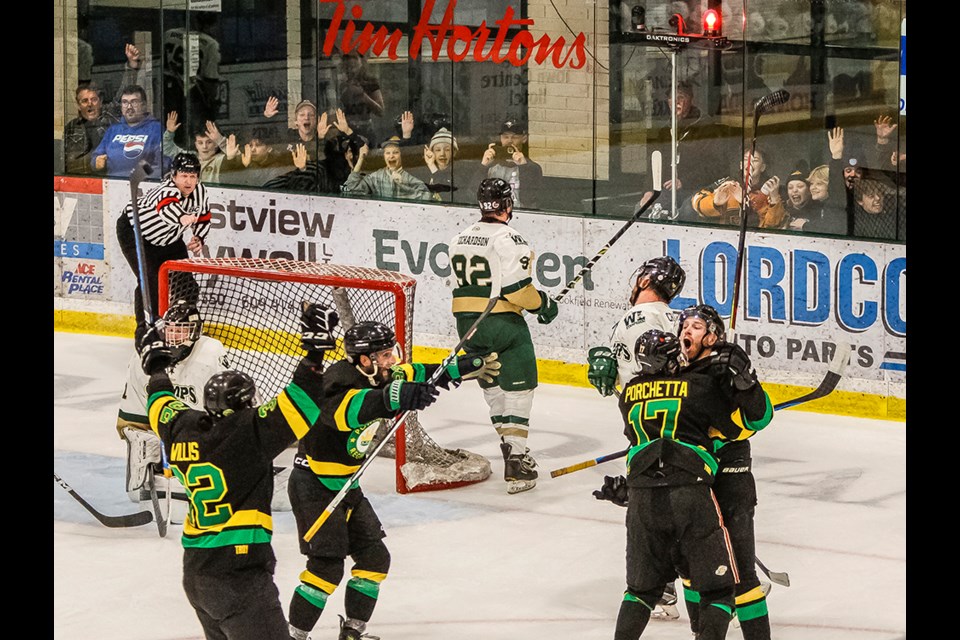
(658, 352)
(666, 277)
(181, 328)
(495, 196)
(227, 392)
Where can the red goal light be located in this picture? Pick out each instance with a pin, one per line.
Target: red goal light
(712, 23)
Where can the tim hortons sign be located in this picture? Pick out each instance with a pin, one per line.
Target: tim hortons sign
(480, 43)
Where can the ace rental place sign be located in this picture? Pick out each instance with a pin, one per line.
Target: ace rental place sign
(482, 44)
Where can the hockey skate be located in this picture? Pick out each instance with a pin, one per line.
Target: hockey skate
(518, 469)
(348, 632)
(666, 608)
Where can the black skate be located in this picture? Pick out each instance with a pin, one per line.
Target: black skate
(518, 469)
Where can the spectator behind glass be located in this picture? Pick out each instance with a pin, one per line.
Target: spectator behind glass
(509, 160)
(439, 172)
(359, 94)
(828, 191)
(206, 141)
(306, 130)
(203, 100)
(137, 137)
(880, 208)
(721, 202)
(84, 133)
(392, 181)
(798, 201)
(258, 163)
(329, 174)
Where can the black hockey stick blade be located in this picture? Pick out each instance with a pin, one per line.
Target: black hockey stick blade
(777, 577)
(132, 520)
(161, 522)
(841, 356)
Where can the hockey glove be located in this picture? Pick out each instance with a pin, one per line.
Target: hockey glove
(602, 370)
(737, 362)
(614, 489)
(317, 323)
(486, 368)
(548, 310)
(401, 395)
(155, 355)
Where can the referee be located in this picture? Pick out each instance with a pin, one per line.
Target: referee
(166, 212)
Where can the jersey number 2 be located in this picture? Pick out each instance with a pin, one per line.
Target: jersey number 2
(475, 273)
(205, 487)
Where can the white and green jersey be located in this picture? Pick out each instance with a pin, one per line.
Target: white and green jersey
(188, 376)
(635, 322)
(484, 252)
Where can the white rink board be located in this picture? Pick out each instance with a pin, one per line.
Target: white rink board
(801, 296)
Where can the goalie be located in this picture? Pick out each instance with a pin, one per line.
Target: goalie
(195, 358)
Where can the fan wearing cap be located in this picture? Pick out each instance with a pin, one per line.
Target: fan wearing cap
(439, 172)
(165, 213)
(392, 181)
(509, 160)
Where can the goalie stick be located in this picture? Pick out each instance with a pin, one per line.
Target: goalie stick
(841, 356)
(395, 424)
(138, 174)
(132, 520)
(642, 206)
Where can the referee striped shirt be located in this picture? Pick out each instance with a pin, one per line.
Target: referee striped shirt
(160, 211)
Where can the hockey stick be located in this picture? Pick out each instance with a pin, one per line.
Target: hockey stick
(778, 577)
(642, 206)
(132, 520)
(394, 425)
(138, 174)
(838, 363)
(762, 105)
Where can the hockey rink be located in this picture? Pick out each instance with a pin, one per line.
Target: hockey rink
(477, 564)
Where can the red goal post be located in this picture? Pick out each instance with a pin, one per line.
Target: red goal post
(252, 305)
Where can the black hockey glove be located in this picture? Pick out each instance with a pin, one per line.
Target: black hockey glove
(737, 362)
(401, 395)
(155, 355)
(317, 323)
(614, 489)
(548, 310)
(484, 367)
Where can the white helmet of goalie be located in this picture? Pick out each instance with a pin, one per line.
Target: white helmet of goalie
(181, 328)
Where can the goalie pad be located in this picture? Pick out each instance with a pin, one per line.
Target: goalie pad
(143, 448)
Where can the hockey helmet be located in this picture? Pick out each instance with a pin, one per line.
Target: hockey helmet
(657, 352)
(666, 276)
(185, 163)
(227, 392)
(366, 338)
(181, 328)
(494, 195)
(709, 315)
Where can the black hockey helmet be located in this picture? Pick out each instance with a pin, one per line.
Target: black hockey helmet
(181, 328)
(709, 315)
(666, 276)
(657, 352)
(366, 338)
(185, 163)
(494, 195)
(227, 392)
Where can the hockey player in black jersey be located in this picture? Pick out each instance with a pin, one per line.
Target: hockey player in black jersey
(702, 339)
(223, 457)
(358, 392)
(672, 518)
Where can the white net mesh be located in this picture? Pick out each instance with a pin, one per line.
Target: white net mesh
(252, 305)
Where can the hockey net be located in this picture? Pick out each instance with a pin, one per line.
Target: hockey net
(253, 306)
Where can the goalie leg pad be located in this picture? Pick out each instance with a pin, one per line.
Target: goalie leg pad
(143, 448)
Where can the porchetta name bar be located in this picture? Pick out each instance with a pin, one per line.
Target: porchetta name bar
(460, 40)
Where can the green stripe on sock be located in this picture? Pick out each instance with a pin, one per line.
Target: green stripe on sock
(752, 611)
(691, 596)
(629, 597)
(366, 587)
(314, 596)
(722, 607)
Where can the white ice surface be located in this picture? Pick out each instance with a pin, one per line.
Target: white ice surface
(475, 563)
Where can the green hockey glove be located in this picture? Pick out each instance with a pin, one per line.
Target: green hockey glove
(548, 310)
(602, 370)
(486, 368)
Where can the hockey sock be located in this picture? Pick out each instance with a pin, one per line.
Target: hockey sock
(691, 599)
(633, 617)
(361, 596)
(308, 601)
(753, 615)
(716, 611)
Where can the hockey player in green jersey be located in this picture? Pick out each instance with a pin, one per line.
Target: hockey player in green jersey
(223, 457)
(369, 385)
(486, 252)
